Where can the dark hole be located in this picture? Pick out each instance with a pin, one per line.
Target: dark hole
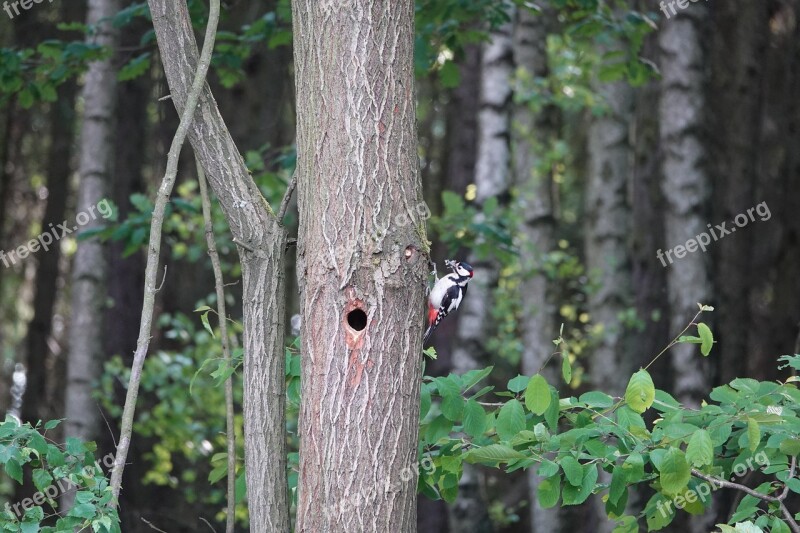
(357, 319)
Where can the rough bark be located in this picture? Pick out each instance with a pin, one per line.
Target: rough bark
(362, 298)
(261, 241)
(533, 131)
(685, 185)
(469, 512)
(89, 267)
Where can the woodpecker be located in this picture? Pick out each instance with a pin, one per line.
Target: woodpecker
(447, 294)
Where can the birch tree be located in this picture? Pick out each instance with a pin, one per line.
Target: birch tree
(90, 265)
(686, 185)
(533, 129)
(492, 179)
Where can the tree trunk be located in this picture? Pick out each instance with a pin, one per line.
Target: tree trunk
(608, 225)
(533, 131)
(469, 512)
(35, 404)
(261, 241)
(685, 187)
(89, 267)
(740, 37)
(362, 267)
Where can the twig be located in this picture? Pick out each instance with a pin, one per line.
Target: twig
(287, 197)
(755, 494)
(154, 248)
(785, 492)
(151, 525)
(226, 352)
(208, 524)
(243, 245)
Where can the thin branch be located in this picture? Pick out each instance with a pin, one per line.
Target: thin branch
(287, 197)
(755, 494)
(154, 248)
(226, 352)
(208, 524)
(792, 468)
(150, 524)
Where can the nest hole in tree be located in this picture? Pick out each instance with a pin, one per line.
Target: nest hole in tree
(357, 319)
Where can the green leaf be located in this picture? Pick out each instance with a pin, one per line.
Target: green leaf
(633, 468)
(778, 526)
(206, 325)
(572, 470)
(29, 527)
(553, 412)
(577, 495)
(518, 383)
(51, 424)
(472, 377)
(674, 471)
(474, 419)
(640, 392)
(449, 75)
(566, 370)
(596, 399)
(83, 510)
(549, 491)
(42, 479)
(14, 470)
(790, 447)
(493, 453)
(700, 451)
(452, 402)
(439, 428)
(510, 420)
(627, 525)
(659, 512)
(753, 434)
(218, 473)
(618, 485)
(537, 395)
(424, 402)
(135, 67)
(707, 337)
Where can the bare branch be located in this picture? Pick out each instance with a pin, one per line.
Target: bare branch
(287, 197)
(154, 249)
(226, 351)
(755, 494)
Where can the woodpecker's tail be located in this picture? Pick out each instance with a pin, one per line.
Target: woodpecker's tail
(432, 323)
(434, 317)
(427, 334)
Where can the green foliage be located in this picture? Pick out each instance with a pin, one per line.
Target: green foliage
(33, 75)
(749, 426)
(481, 229)
(55, 469)
(186, 431)
(445, 27)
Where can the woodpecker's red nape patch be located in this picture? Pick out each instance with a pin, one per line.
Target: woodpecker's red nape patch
(432, 312)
